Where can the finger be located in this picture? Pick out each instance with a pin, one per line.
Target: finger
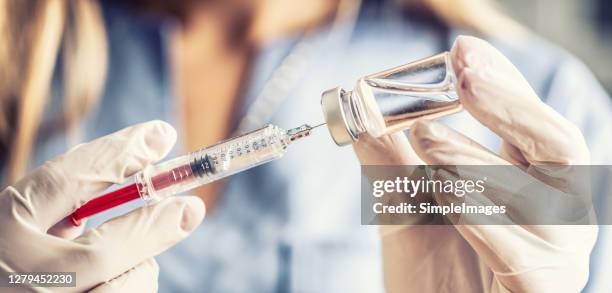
(63, 184)
(142, 278)
(530, 256)
(497, 94)
(496, 191)
(392, 149)
(123, 242)
(437, 144)
(536, 248)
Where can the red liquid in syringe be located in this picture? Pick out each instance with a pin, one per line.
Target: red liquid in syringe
(174, 176)
(128, 193)
(105, 202)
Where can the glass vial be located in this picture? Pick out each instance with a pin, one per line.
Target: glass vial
(392, 100)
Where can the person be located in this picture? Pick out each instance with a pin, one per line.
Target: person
(214, 67)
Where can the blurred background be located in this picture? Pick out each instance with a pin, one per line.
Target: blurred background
(273, 230)
(583, 27)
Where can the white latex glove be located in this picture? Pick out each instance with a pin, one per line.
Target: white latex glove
(473, 258)
(118, 255)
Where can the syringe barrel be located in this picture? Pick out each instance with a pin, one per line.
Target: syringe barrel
(212, 163)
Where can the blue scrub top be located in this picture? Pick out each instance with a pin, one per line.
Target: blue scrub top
(294, 225)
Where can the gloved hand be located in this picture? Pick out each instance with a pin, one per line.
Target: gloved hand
(480, 258)
(118, 255)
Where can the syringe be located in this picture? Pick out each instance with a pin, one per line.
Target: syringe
(223, 159)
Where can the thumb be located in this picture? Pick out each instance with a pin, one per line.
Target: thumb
(495, 92)
(123, 242)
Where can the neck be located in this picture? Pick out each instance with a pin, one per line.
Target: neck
(238, 23)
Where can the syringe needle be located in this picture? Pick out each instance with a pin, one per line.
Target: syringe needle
(313, 127)
(301, 131)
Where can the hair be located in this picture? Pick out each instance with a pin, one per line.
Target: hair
(31, 35)
(34, 32)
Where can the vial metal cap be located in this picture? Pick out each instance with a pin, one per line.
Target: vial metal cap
(332, 101)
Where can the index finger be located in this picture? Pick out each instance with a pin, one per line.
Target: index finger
(493, 90)
(61, 185)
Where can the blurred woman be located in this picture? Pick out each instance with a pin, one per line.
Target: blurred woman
(212, 68)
